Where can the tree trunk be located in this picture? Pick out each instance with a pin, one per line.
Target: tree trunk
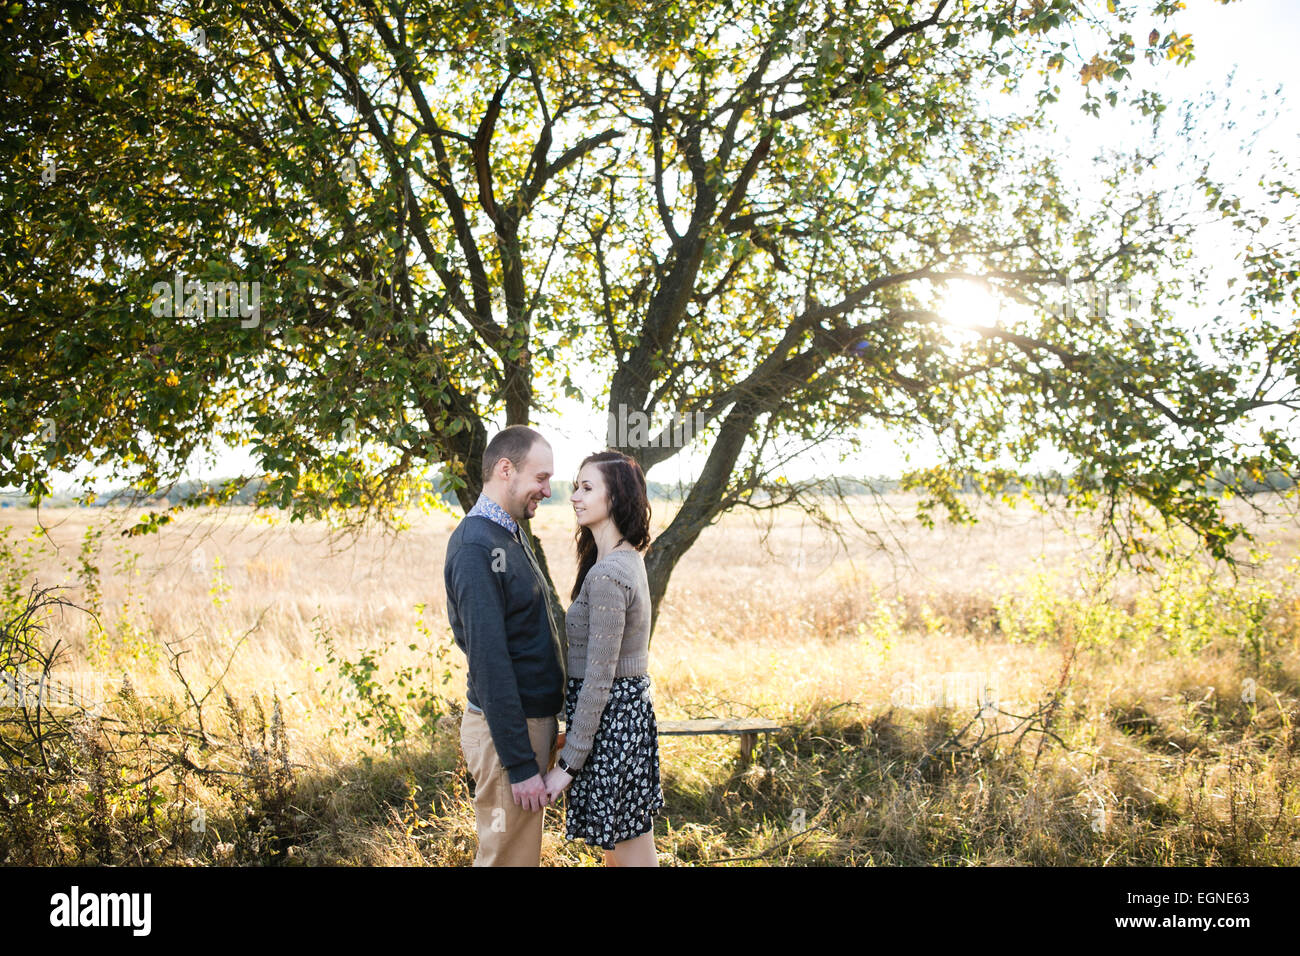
(707, 499)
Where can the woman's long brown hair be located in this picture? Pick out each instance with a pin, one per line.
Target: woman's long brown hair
(629, 507)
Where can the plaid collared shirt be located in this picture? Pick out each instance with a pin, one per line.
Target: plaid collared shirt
(485, 507)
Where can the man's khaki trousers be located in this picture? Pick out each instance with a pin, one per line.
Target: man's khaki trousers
(508, 835)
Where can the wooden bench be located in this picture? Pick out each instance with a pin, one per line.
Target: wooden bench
(747, 729)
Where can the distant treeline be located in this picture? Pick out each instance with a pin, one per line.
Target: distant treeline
(247, 495)
(1274, 481)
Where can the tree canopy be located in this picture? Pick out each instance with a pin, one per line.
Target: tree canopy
(436, 216)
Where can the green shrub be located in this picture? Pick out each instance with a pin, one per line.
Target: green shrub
(389, 703)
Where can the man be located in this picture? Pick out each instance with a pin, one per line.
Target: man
(497, 601)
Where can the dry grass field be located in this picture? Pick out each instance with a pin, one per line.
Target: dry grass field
(958, 696)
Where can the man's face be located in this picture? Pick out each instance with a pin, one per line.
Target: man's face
(530, 483)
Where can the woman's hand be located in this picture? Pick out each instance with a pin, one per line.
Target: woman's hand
(556, 782)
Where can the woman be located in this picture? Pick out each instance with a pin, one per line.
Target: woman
(610, 758)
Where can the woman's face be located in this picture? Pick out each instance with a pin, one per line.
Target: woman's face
(589, 499)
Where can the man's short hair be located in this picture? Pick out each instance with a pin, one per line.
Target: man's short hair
(514, 442)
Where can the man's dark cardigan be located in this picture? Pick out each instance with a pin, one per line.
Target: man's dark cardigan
(498, 615)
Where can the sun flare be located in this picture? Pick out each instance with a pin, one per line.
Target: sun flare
(969, 304)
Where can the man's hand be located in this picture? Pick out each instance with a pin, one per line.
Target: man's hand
(531, 793)
(556, 782)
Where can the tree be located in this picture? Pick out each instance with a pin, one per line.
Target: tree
(739, 213)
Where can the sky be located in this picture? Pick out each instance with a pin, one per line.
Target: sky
(1256, 39)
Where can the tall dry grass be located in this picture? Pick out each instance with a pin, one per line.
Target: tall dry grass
(973, 695)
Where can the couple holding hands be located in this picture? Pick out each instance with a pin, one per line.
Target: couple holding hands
(518, 654)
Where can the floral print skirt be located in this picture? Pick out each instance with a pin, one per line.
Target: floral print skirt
(616, 793)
